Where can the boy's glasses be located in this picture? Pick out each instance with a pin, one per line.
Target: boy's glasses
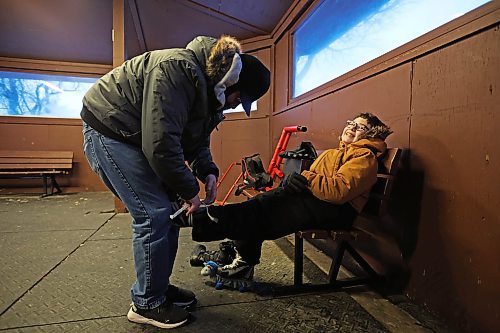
(357, 127)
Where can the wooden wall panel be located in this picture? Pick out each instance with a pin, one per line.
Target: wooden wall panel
(453, 137)
(234, 140)
(264, 104)
(281, 77)
(300, 116)
(386, 95)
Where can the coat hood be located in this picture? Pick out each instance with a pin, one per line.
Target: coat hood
(377, 146)
(215, 55)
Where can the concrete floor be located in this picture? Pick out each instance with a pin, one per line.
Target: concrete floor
(66, 266)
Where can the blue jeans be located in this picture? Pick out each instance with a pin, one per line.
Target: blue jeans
(126, 172)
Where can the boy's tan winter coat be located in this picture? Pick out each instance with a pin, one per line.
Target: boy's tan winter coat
(347, 173)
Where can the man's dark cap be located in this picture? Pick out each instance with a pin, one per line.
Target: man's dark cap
(253, 82)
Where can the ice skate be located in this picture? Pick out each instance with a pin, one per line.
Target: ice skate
(237, 275)
(224, 256)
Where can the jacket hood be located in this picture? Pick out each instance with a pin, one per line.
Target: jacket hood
(201, 47)
(377, 146)
(215, 55)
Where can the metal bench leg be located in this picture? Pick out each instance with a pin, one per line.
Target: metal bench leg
(372, 275)
(45, 189)
(336, 262)
(54, 184)
(299, 261)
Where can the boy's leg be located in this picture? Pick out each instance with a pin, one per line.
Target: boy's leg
(270, 215)
(249, 250)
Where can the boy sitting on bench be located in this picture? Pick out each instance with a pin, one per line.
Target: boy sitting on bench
(328, 195)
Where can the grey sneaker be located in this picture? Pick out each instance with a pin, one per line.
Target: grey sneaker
(166, 315)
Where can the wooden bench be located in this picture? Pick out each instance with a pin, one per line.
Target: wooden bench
(375, 209)
(36, 164)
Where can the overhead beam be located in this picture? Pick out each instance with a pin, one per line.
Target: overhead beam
(221, 16)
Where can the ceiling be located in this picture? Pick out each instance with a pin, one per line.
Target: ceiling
(80, 30)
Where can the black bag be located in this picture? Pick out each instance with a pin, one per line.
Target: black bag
(254, 174)
(299, 159)
(305, 151)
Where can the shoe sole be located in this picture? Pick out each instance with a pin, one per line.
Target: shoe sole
(137, 318)
(185, 304)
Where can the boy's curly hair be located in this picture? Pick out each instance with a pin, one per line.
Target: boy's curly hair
(378, 129)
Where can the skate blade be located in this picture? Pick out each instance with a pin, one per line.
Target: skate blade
(241, 285)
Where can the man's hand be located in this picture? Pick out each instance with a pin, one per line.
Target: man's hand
(194, 203)
(210, 189)
(295, 183)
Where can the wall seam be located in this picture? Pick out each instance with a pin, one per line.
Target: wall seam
(412, 69)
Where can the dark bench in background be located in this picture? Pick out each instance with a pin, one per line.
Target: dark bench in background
(36, 164)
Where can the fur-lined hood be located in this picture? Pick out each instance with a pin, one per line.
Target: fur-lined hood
(215, 55)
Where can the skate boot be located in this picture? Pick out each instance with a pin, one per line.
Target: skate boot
(180, 219)
(224, 256)
(237, 275)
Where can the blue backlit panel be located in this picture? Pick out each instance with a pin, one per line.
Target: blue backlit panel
(42, 95)
(340, 35)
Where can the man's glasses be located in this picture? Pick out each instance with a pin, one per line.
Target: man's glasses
(357, 127)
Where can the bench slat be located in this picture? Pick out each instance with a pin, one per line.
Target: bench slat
(35, 166)
(8, 160)
(352, 234)
(44, 172)
(36, 154)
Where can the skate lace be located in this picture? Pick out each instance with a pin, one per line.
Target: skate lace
(179, 208)
(237, 262)
(212, 218)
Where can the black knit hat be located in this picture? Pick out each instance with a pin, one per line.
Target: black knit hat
(253, 82)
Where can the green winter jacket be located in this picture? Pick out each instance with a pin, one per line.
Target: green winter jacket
(160, 101)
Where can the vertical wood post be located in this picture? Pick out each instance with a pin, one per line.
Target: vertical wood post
(119, 55)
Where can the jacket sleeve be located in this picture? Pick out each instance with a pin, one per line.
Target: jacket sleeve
(202, 164)
(169, 91)
(351, 180)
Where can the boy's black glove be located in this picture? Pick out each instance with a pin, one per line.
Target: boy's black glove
(295, 183)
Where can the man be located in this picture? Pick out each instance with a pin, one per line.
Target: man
(142, 122)
(330, 194)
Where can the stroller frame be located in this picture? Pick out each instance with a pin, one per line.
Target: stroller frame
(274, 165)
